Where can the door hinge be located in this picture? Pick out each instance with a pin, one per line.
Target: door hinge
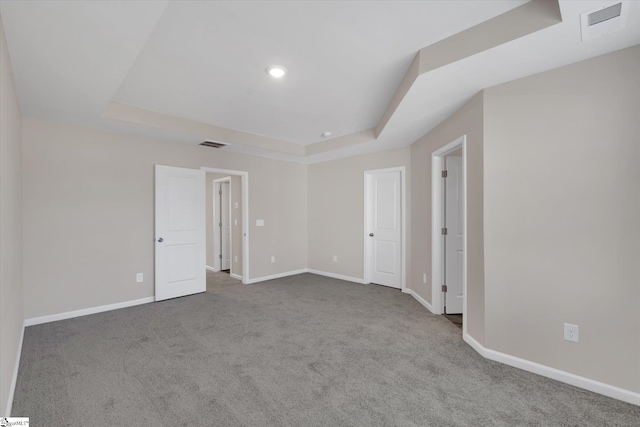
(444, 288)
(444, 231)
(444, 174)
(220, 192)
(220, 256)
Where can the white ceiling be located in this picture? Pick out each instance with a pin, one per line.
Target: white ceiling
(205, 61)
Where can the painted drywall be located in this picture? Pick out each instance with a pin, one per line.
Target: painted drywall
(466, 121)
(562, 202)
(236, 221)
(336, 210)
(89, 213)
(11, 283)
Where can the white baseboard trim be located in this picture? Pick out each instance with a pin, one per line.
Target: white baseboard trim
(14, 379)
(336, 276)
(555, 374)
(236, 276)
(276, 276)
(86, 311)
(418, 298)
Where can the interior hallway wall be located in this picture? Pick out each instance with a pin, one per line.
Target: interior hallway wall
(336, 210)
(468, 121)
(89, 213)
(11, 280)
(562, 228)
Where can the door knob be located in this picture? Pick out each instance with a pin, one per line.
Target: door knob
(370, 234)
(160, 240)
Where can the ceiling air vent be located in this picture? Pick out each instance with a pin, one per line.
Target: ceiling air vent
(608, 19)
(213, 144)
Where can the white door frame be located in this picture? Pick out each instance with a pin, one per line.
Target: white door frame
(367, 241)
(437, 220)
(216, 219)
(244, 178)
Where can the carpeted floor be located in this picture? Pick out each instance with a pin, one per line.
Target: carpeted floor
(300, 351)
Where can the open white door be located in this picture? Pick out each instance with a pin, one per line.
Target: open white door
(384, 227)
(454, 239)
(180, 232)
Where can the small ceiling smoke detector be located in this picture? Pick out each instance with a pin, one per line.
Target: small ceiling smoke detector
(213, 144)
(605, 20)
(326, 134)
(277, 71)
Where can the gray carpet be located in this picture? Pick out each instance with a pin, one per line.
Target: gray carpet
(300, 351)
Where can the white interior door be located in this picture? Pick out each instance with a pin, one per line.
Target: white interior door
(454, 239)
(384, 224)
(225, 225)
(180, 232)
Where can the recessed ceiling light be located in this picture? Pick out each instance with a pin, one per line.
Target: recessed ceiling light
(277, 71)
(326, 134)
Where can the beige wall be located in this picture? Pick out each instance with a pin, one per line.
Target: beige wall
(336, 210)
(11, 284)
(466, 121)
(236, 215)
(89, 213)
(562, 231)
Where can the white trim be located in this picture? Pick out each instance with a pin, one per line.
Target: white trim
(244, 176)
(86, 311)
(403, 183)
(555, 374)
(336, 276)
(14, 378)
(437, 219)
(418, 298)
(236, 276)
(276, 276)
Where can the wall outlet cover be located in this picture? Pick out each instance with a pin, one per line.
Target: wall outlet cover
(139, 277)
(571, 332)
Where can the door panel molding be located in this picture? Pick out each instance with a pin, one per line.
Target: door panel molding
(179, 232)
(369, 221)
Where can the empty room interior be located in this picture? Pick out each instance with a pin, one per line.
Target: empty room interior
(416, 213)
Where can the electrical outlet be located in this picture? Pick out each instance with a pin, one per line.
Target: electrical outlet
(335, 258)
(235, 221)
(571, 332)
(139, 277)
(273, 260)
(424, 277)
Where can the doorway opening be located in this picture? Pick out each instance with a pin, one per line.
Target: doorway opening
(222, 228)
(227, 223)
(449, 231)
(384, 227)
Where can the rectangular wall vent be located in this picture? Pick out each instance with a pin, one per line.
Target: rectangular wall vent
(604, 14)
(605, 20)
(213, 144)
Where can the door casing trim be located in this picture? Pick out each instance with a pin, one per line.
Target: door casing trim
(366, 242)
(437, 219)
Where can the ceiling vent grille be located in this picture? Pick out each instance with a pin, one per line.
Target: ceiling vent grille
(213, 144)
(606, 20)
